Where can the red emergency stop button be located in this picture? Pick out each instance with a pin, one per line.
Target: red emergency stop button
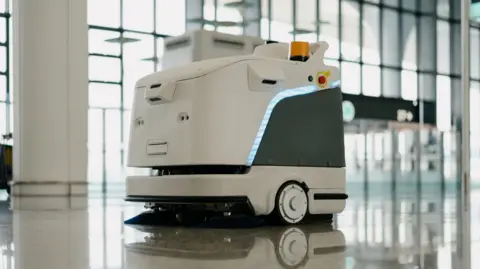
(322, 80)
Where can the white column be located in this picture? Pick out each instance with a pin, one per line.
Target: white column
(51, 98)
(466, 179)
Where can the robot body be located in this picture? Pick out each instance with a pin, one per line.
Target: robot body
(247, 132)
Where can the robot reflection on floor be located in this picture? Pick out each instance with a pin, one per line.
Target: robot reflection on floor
(306, 246)
(259, 134)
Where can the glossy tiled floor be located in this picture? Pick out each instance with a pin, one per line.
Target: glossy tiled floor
(405, 230)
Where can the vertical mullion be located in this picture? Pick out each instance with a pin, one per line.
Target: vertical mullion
(7, 70)
(294, 19)
(395, 167)
(435, 53)
(365, 168)
(450, 9)
(418, 132)
(479, 43)
(194, 11)
(202, 10)
(7, 114)
(451, 68)
(259, 16)
(360, 44)
(215, 7)
(7, 75)
(317, 19)
(122, 70)
(340, 39)
(478, 37)
(155, 51)
(419, 60)
(156, 57)
(104, 152)
(381, 49)
(269, 19)
(419, 70)
(442, 187)
(403, 42)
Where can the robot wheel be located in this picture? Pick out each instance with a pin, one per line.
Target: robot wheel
(291, 203)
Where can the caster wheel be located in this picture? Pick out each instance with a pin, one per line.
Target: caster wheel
(291, 204)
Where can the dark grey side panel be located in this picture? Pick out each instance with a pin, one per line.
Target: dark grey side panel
(305, 130)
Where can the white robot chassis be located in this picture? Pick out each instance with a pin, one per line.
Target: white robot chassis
(260, 134)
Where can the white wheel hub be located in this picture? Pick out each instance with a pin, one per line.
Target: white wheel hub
(293, 203)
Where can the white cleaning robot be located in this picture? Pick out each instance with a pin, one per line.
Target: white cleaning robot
(261, 134)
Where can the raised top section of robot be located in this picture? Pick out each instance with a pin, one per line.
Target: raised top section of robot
(233, 111)
(290, 66)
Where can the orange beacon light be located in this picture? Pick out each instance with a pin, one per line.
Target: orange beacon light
(299, 51)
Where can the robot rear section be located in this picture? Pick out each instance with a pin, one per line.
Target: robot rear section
(305, 130)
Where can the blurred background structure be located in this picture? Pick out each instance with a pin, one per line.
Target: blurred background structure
(406, 51)
(400, 64)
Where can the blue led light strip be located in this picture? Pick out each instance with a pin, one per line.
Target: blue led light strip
(279, 97)
(335, 84)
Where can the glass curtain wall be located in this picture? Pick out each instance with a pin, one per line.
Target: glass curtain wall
(407, 49)
(125, 43)
(6, 96)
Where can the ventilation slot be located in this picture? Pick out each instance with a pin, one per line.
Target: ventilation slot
(224, 42)
(176, 44)
(155, 86)
(329, 250)
(156, 143)
(269, 81)
(157, 148)
(155, 99)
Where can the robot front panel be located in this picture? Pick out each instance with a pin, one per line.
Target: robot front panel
(156, 126)
(211, 120)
